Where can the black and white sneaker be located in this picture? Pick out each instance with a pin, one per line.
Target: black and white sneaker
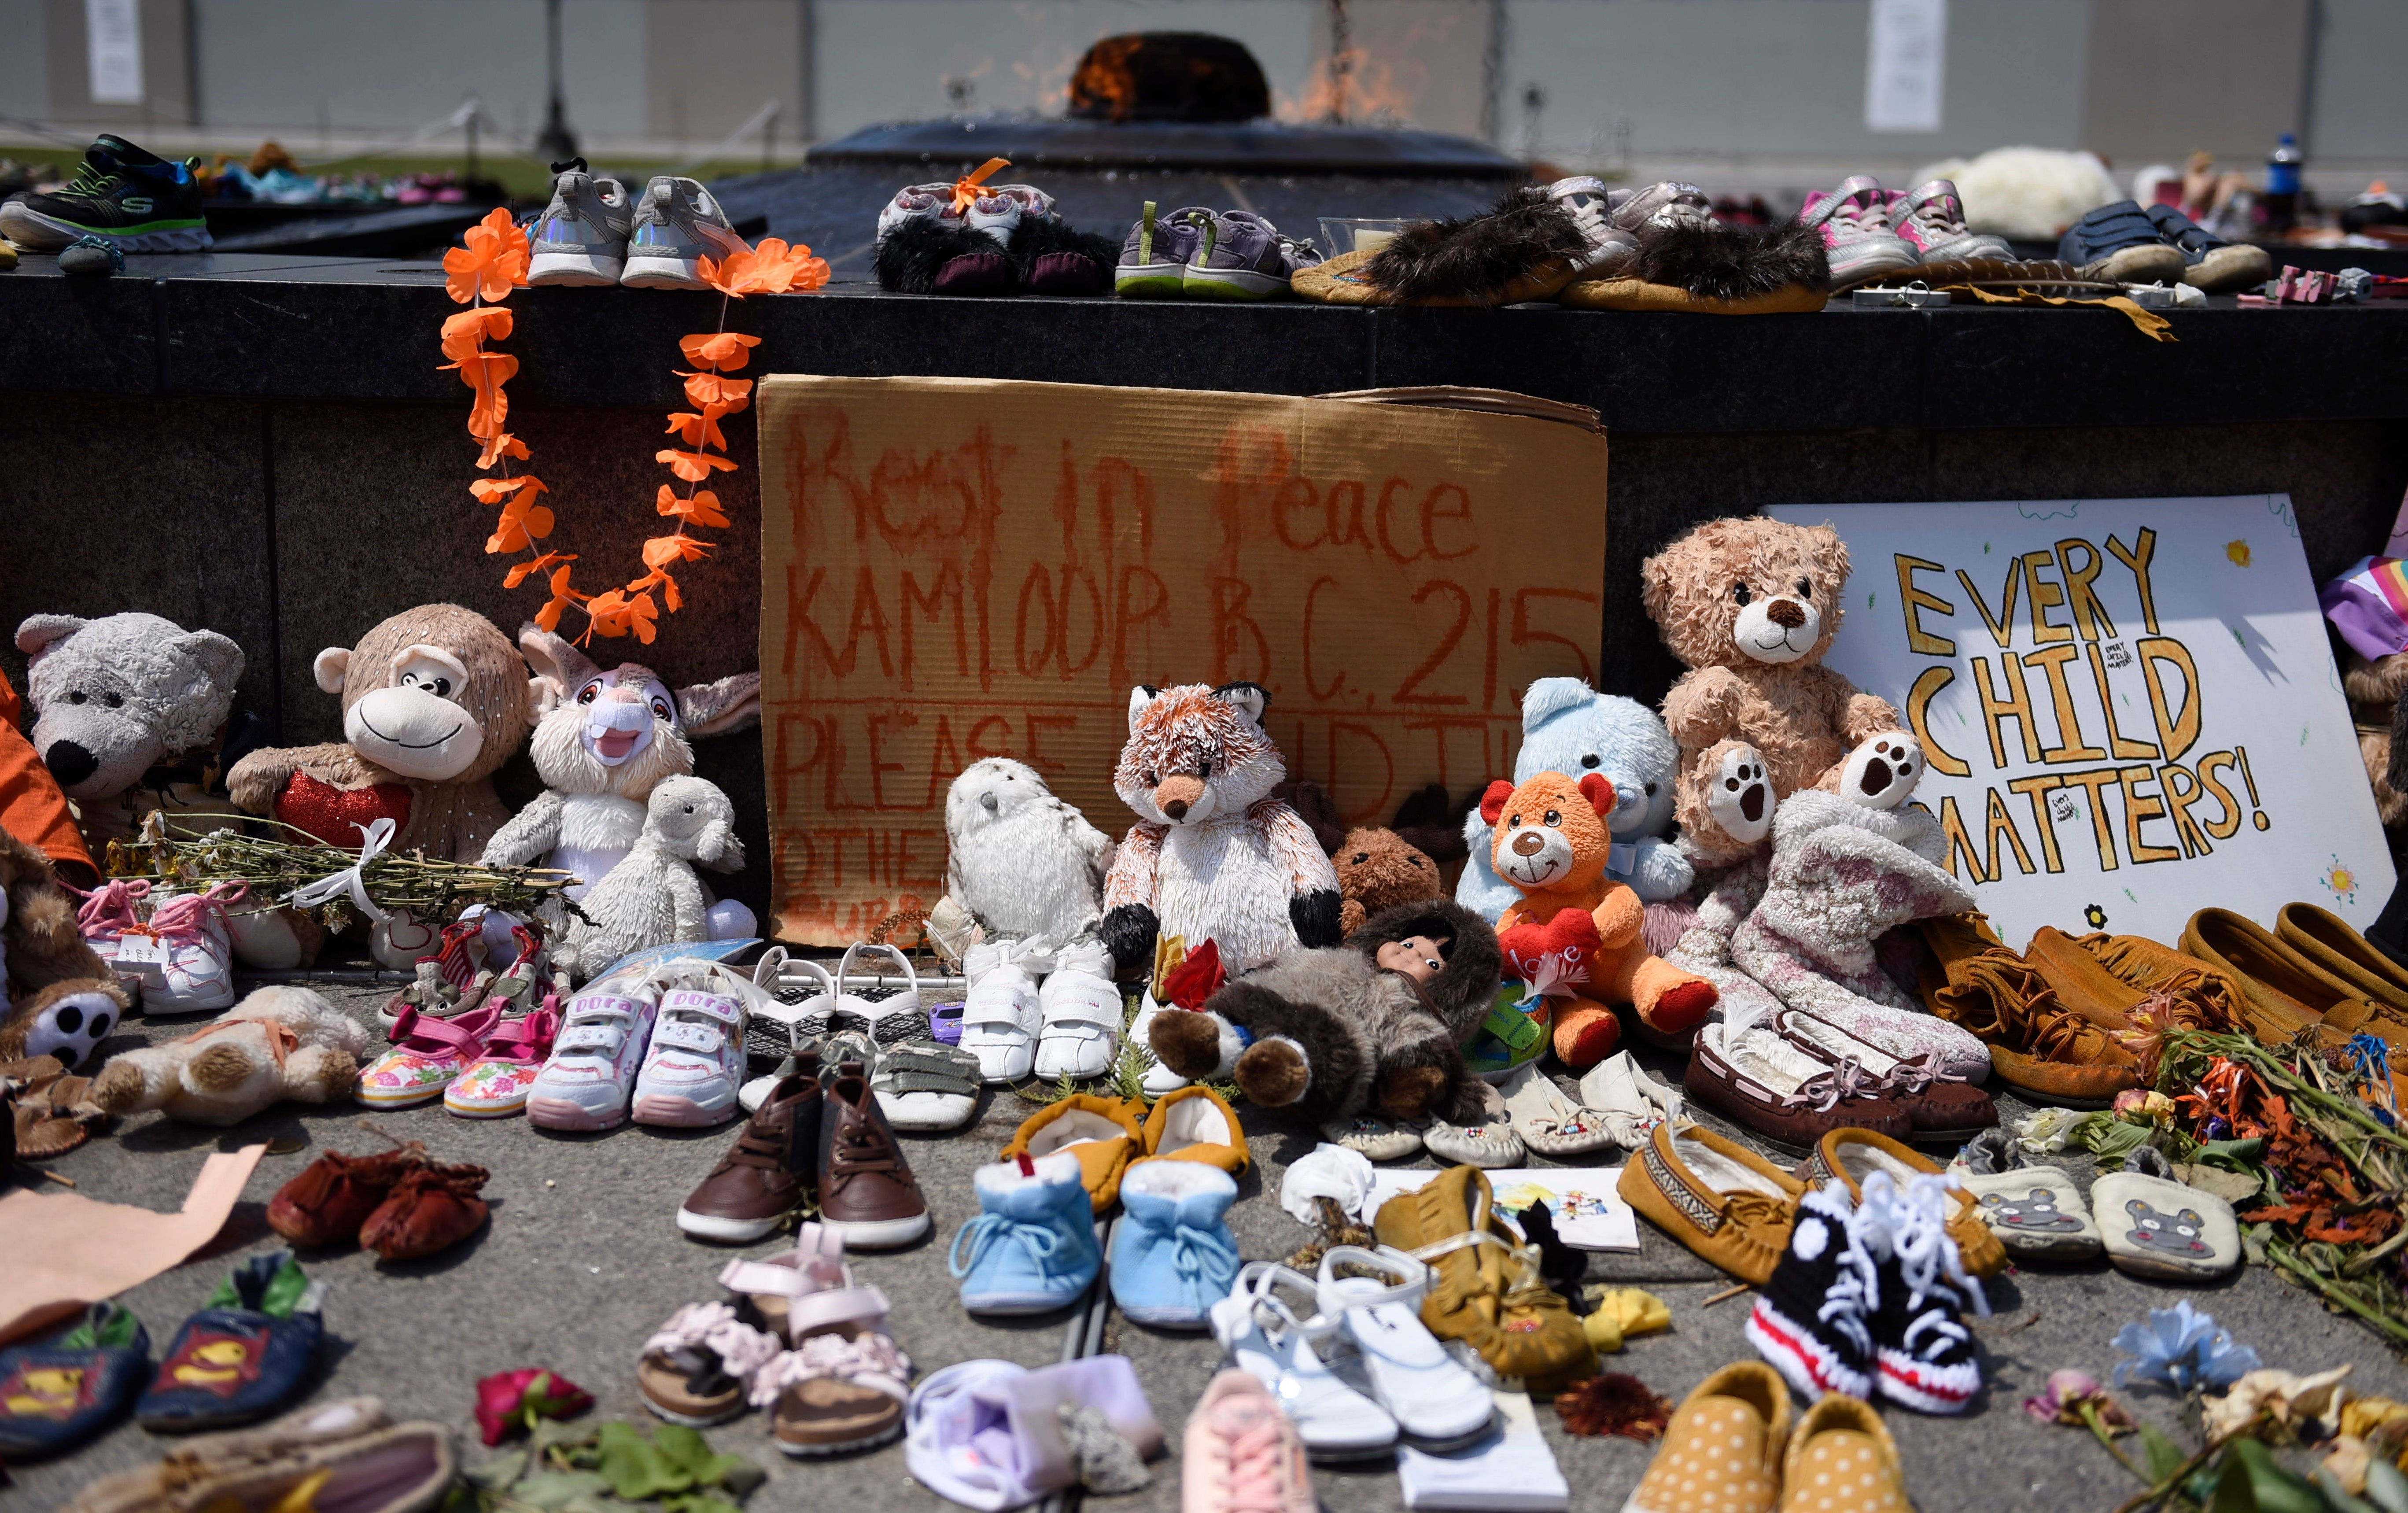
(1813, 1318)
(136, 201)
(1927, 1356)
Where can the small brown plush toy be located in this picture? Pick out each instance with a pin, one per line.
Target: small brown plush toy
(2376, 688)
(434, 701)
(1750, 605)
(1377, 869)
(59, 998)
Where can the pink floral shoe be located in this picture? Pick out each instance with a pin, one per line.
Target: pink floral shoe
(428, 1055)
(497, 1084)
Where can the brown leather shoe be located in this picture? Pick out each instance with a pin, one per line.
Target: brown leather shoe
(1760, 1081)
(2325, 939)
(2037, 1046)
(2201, 996)
(1722, 1199)
(766, 1174)
(1847, 1157)
(328, 1199)
(866, 1192)
(431, 1208)
(1938, 1105)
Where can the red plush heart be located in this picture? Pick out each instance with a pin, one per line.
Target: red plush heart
(328, 813)
(1570, 939)
(1195, 979)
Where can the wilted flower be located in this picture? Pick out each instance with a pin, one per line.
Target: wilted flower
(2306, 1406)
(2069, 1393)
(2183, 1349)
(513, 1400)
(2138, 1105)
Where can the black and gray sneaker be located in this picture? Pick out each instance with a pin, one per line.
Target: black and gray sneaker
(581, 237)
(140, 203)
(1813, 1318)
(1243, 256)
(1928, 1359)
(677, 224)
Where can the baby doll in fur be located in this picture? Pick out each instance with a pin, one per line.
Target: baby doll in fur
(280, 1043)
(1750, 605)
(1376, 1022)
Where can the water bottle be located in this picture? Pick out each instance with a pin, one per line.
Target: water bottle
(2280, 208)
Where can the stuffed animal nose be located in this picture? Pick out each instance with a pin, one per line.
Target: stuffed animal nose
(1177, 795)
(1785, 613)
(69, 763)
(1176, 808)
(1529, 843)
(987, 802)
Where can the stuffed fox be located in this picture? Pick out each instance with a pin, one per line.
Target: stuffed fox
(1573, 925)
(1212, 855)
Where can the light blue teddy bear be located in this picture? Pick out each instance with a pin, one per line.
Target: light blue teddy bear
(1571, 729)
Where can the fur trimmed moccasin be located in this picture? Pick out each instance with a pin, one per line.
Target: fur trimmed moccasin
(1043, 255)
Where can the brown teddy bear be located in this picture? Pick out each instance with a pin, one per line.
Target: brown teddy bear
(2376, 688)
(279, 1042)
(434, 701)
(1378, 869)
(1750, 605)
(57, 997)
(1575, 927)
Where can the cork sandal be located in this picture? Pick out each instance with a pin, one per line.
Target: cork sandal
(696, 1368)
(844, 1384)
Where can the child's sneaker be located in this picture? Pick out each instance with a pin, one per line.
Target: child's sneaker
(581, 237)
(252, 1348)
(182, 953)
(1033, 1248)
(108, 912)
(677, 224)
(1173, 1255)
(1001, 1015)
(62, 1389)
(696, 1066)
(1155, 256)
(1931, 220)
(1927, 1358)
(498, 1083)
(427, 1055)
(1243, 1454)
(449, 981)
(1854, 219)
(1080, 1013)
(586, 1084)
(1815, 1319)
(1243, 256)
(137, 201)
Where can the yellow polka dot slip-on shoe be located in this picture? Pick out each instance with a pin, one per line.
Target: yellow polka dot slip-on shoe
(1722, 1451)
(1842, 1460)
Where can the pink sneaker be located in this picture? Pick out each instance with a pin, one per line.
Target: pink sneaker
(182, 953)
(586, 1084)
(1931, 220)
(428, 1055)
(107, 913)
(1242, 1453)
(1856, 233)
(497, 1084)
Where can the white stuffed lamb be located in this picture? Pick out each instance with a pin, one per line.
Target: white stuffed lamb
(653, 898)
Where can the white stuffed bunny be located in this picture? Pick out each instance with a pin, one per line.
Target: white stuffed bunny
(653, 898)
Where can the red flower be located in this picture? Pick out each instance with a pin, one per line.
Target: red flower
(1195, 979)
(515, 1400)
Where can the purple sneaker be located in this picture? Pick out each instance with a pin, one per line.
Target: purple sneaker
(1931, 221)
(1854, 219)
(1154, 256)
(1243, 256)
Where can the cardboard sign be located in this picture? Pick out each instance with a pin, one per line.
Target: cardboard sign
(956, 568)
(2130, 708)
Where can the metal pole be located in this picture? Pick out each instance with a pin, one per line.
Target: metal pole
(557, 144)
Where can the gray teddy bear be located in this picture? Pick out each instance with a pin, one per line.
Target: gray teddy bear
(129, 710)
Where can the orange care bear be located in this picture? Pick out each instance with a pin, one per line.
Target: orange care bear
(1575, 934)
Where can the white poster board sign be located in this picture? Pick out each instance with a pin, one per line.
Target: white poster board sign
(2130, 708)
(1906, 64)
(113, 48)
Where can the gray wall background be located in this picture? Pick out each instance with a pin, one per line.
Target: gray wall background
(1739, 85)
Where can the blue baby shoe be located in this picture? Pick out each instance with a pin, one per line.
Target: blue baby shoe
(1174, 1257)
(247, 1353)
(1033, 1248)
(66, 1388)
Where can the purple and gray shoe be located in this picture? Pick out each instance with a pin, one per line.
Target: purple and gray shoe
(1243, 256)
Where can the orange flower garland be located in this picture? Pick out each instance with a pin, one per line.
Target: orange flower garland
(492, 263)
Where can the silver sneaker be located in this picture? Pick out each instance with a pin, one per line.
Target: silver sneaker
(1611, 220)
(581, 237)
(678, 223)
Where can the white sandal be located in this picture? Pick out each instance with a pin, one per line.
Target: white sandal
(1437, 1404)
(1263, 1337)
(896, 1018)
(799, 1022)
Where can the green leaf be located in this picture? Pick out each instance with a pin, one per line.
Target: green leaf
(568, 1492)
(2251, 1482)
(2235, 1155)
(2329, 1486)
(2386, 1488)
(497, 1473)
(741, 1477)
(2164, 1457)
(635, 1467)
(697, 1502)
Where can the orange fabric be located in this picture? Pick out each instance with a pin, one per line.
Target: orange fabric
(32, 808)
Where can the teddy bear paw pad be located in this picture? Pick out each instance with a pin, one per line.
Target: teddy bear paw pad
(1883, 772)
(1740, 797)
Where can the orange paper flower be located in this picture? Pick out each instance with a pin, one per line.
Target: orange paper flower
(663, 549)
(562, 597)
(770, 268)
(693, 467)
(523, 523)
(615, 614)
(520, 571)
(493, 262)
(701, 430)
(701, 510)
(726, 351)
(499, 445)
(465, 332)
(495, 490)
(711, 389)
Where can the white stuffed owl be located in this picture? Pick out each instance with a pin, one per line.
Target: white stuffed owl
(1023, 861)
